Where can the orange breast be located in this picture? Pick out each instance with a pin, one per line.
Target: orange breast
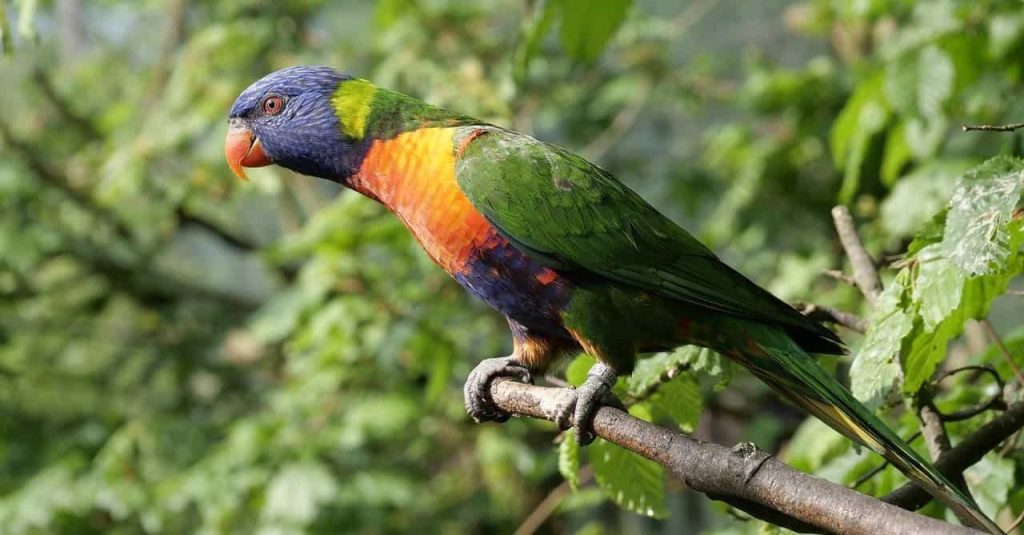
(413, 175)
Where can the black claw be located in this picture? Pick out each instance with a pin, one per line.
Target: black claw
(477, 389)
(564, 412)
(593, 393)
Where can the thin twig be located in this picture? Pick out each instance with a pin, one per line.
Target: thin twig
(840, 276)
(831, 315)
(935, 437)
(540, 514)
(992, 127)
(864, 272)
(995, 402)
(994, 336)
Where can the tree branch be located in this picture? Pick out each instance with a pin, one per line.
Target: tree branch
(992, 127)
(832, 315)
(933, 429)
(864, 272)
(744, 476)
(970, 450)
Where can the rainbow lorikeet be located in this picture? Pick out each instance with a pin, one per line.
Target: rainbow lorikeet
(569, 255)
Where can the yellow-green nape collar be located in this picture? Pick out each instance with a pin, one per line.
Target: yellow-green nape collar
(352, 104)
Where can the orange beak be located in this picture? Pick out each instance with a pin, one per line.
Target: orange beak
(242, 149)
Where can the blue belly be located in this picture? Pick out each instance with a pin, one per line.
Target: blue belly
(513, 283)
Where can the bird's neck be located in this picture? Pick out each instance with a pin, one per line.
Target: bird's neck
(367, 112)
(413, 175)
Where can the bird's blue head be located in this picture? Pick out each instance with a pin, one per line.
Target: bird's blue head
(287, 118)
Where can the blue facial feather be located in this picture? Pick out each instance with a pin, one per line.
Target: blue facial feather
(306, 136)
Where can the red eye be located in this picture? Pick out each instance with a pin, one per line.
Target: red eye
(272, 105)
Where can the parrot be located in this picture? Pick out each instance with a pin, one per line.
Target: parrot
(573, 259)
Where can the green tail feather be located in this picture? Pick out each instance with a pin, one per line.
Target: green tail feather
(792, 372)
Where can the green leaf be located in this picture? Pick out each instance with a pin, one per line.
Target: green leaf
(533, 32)
(901, 85)
(845, 128)
(991, 480)
(576, 373)
(875, 370)
(979, 292)
(6, 43)
(977, 236)
(935, 79)
(389, 12)
(924, 136)
(919, 195)
(297, 491)
(814, 444)
(870, 121)
(926, 351)
(587, 26)
(1004, 31)
(897, 155)
(633, 482)
(569, 459)
(938, 286)
(653, 370)
(26, 19)
(681, 400)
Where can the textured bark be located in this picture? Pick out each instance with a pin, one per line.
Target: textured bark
(743, 476)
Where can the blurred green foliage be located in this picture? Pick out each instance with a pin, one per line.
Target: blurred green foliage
(183, 353)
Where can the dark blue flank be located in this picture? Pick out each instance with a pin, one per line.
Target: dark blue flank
(506, 278)
(306, 136)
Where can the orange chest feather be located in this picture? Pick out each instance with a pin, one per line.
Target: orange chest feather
(413, 175)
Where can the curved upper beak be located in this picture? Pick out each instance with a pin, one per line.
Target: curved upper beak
(242, 149)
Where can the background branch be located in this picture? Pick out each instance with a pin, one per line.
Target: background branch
(832, 315)
(992, 127)
(744, 477)
(970, 450)
(864, 273)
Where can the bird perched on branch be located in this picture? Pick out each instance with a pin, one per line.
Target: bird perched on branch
(574, 260)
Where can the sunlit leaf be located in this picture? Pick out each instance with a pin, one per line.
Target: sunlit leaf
(991, 480)
(976, 237)
(813, 444)
(681, 400)
(936, 76)
(919, 195)
(926, 351)
(296, 491)
(587, 27)
(871, 118)
(938, 286)
(6, 43)
(631, 481)
(875, 368)
(654, 370)
(569, 459)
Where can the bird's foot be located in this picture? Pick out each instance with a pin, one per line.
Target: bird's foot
(479, 405)
(578, 411)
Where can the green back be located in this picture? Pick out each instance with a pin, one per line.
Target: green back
(574, 215)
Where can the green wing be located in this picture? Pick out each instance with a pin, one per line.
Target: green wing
(575, 216)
